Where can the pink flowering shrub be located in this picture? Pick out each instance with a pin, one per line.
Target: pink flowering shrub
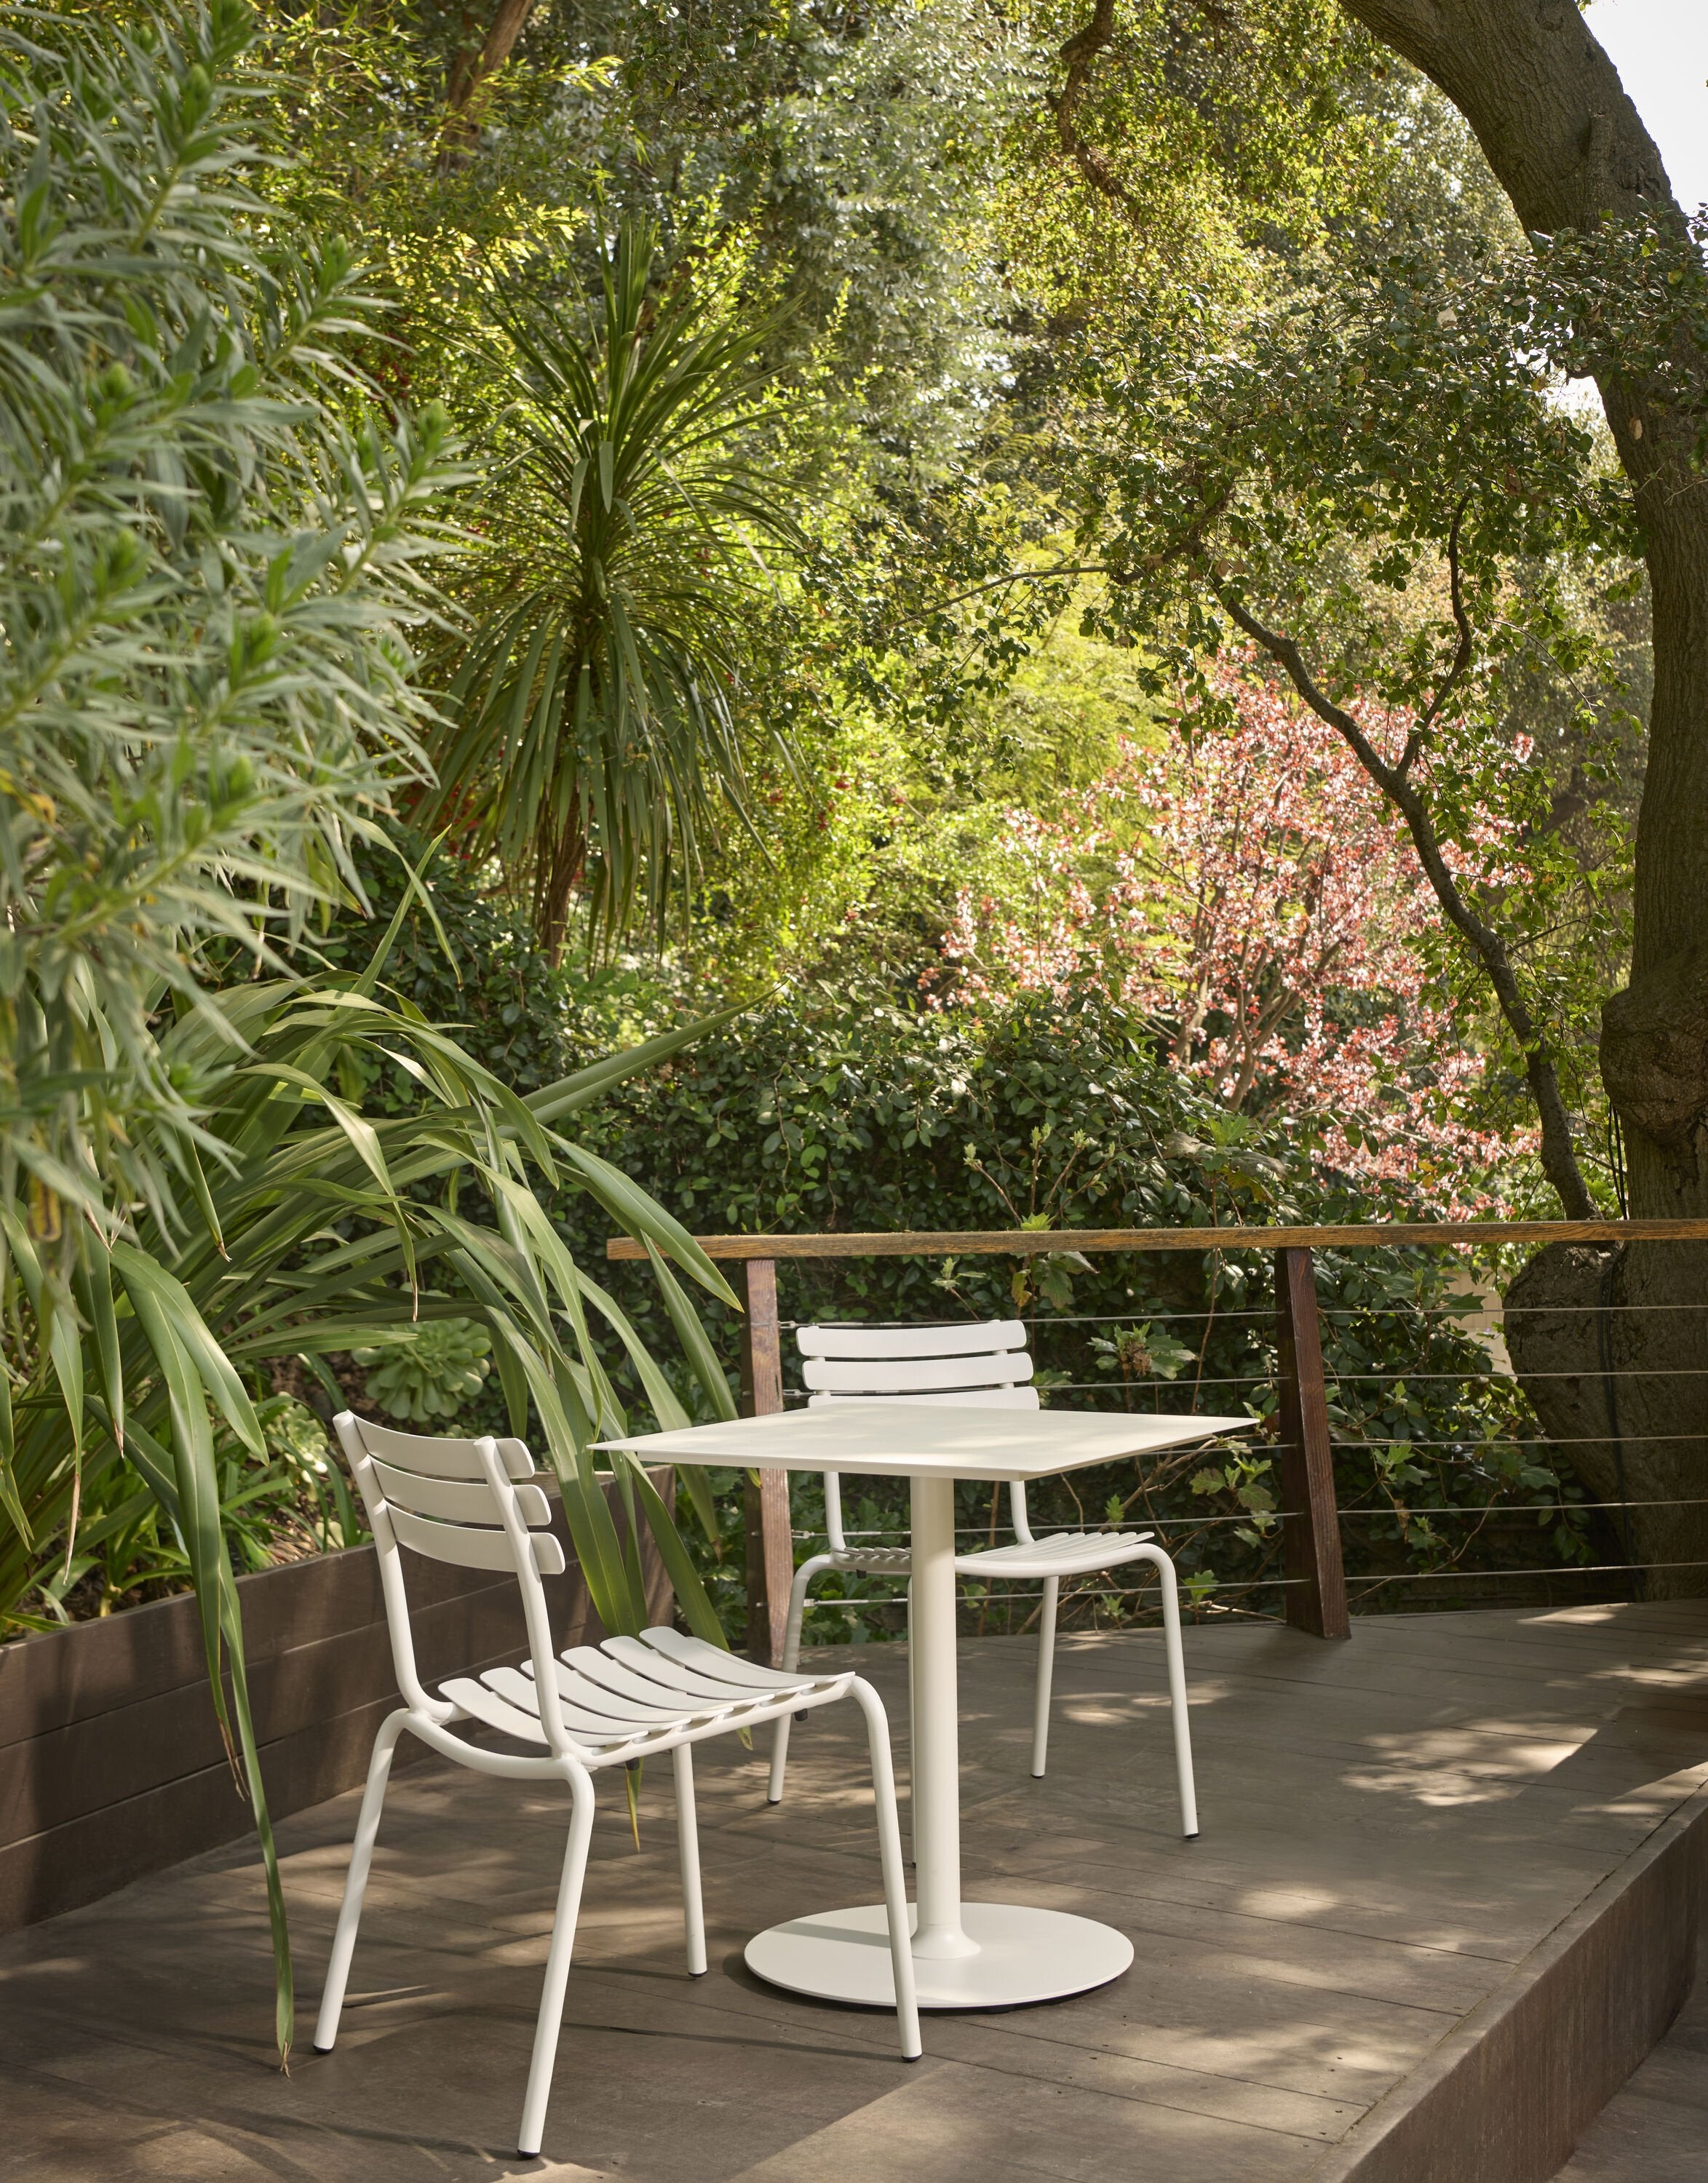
(1248, 889)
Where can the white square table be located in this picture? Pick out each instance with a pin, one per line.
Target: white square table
(967, 1955)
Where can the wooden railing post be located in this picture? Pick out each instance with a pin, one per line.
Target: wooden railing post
(770, 1555)
(1310, 1527)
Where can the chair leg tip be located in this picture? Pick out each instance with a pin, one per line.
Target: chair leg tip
(319, 2049)
(773, 1801)
(1193, 1836)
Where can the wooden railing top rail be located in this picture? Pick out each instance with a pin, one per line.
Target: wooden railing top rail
(1016, 1242)
(1315, 1593)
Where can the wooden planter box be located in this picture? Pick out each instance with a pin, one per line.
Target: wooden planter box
(110, 1760)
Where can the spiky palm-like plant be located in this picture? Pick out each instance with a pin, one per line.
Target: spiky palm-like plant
(596, 738)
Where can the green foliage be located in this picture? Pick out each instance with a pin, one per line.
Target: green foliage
(205, 583)
(320, 1229)
(1171, 154)
(431, 1374)
(825, 1115)
(212, 550)
(1379, 477)
(597, 736)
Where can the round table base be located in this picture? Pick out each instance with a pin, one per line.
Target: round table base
(1024, 1955)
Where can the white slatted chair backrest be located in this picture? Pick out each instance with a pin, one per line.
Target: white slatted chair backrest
(475, 1504)
(985, 1366)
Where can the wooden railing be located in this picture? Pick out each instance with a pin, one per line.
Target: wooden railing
(1315, 1594)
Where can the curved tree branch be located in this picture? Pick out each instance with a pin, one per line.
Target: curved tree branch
(1080, 53)
(1462, 658)
(1559, 1156)
(471, 68)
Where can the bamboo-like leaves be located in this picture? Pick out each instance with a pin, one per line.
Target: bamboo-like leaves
(148, 1349)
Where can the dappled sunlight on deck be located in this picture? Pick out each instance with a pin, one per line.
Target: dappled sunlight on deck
(1390, 1826)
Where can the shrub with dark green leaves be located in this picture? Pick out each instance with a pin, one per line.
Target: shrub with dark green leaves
(829, 1112)
(820, 1114)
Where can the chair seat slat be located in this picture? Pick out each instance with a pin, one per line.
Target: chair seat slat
(677, 1645)
(593, 1726)
(1061, 1553)
(693, 1682)
(600, 1714)
(595, 1696)
(629, 1688)
(487, 1706)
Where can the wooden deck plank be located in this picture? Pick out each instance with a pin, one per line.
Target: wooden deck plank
(1389, 1826)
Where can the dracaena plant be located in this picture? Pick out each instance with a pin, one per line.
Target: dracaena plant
(318, 1230)
(212, 550)
(598, 737)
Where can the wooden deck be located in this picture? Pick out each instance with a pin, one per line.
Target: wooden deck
(1392, 1827)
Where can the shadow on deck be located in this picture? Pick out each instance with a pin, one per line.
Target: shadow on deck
(1387, 1919)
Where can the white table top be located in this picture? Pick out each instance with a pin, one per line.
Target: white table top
(892, 1439)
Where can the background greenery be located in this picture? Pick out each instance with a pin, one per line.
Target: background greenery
(507, 553)
(830, 1111)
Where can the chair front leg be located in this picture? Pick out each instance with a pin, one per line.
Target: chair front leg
(889, 1856)
(792, 1653)
(1176, 1687)
(688, 1851)
(356, 1881)
(551, 2017)
(1046, 1674)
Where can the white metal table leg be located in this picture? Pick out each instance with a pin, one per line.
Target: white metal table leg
(936, 1728)
(966, 1955)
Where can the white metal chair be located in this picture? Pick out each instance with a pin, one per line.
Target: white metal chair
(985, 1365)
(477, 1504)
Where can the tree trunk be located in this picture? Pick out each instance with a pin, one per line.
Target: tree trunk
(1569, 147)
(471, 69)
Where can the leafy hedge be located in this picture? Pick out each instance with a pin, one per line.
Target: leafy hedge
(825, 1112)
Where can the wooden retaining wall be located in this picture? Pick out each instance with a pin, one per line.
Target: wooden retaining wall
(110, 1760)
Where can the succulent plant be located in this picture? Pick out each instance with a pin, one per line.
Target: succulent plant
(430, 1373)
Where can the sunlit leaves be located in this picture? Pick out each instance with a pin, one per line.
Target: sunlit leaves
(597, 739)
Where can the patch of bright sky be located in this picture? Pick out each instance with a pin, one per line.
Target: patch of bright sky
(1660, 50)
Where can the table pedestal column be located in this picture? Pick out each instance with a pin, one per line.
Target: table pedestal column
(938, 1933)
(967, 1955)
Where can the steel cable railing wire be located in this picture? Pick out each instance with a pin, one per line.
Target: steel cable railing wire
(1604, 1343)
(1427, 1324)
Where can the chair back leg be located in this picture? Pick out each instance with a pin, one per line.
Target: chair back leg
(1046, 1674)
(356, 1882)
(1176, 1688)
(551, 2017)
(689, 1851)
(894, 1876)
(792, 1654)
